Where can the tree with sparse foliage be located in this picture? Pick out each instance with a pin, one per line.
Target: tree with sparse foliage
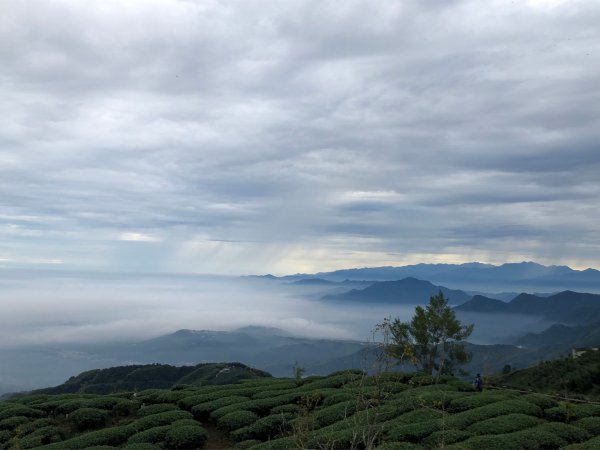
(433, 340)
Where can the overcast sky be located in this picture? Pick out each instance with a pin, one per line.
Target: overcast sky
(252, 136)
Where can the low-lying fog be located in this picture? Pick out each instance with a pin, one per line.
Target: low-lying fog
(57, 309)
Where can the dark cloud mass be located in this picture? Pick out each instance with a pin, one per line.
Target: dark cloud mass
(252, 136)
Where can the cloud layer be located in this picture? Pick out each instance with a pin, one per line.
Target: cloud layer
(252, 136)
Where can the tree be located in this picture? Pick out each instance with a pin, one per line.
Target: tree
(433, 339)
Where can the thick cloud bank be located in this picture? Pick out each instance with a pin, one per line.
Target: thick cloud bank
(252, 136)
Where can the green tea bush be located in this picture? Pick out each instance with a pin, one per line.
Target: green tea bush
(21, 410)
(140, 446)
(330, 414)
(160, 419)
(101, 447)
(193, 400)
(102, 402)
(244, 445)
(156, 408)
(268, 427)
(329, 382)
(67, 407)
(445, 437)
(590, 424)
(152, 435)
(339, 398)
(87, 418)
(186, 437)
(503, 424)
(464, 403)
(5, 435)
(285, 443)
(36, 425)
(417, 415)
(13, 422)
(236, 419)
(582, 410)
(37, 441)
(163, 396)
(463, 419)
(532, 441)
(570, 412)
(203, 410)
(109, 436)
(182, 422)
(569, 433)
(592, 444)
(556, 414)
(290, 408)
(398, 446)
(413, 432)
(50, 430)
(543, 401)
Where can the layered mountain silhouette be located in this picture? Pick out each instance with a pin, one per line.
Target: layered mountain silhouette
(566, 307)
(476, 276)
(407, 291)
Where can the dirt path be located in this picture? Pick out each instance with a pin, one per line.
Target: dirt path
(217, 440)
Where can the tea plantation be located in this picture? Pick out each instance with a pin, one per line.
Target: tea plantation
(343, 410)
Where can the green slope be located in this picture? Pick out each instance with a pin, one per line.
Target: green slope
(343, 410)
(147, 376)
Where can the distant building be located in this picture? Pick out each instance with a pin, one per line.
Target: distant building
(578, 351)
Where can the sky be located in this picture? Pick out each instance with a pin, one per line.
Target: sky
(235, 137)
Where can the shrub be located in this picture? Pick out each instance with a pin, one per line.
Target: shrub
(503, 424)
(590, 424)
(445, 437)
(140, 446)
(413, 432)
(339, 398)
(418, 415)
(160, 419)
(285, 443)
(13, 422)
(87, 418)
(42, 436)
(186, 437)
(108, 436)
(582, 410)
(291, 408)
(155, 409)
(193, 400)
(268, 427)
(202, 410)
(333, 413)
(543, 401)
(236, 419)
(182, 422)
(152, 435)
(36, 425)
(20, 410)
(68, 407)
(464, 403)
(569, 433)
(243, 445)
(592, 444)
(464, 419)
(397, 446)
(5, 435)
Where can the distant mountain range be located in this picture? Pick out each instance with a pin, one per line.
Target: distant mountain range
(523, 276)
(567, 307)
(407, 291)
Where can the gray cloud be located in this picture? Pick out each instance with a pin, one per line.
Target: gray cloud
(253, 137)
